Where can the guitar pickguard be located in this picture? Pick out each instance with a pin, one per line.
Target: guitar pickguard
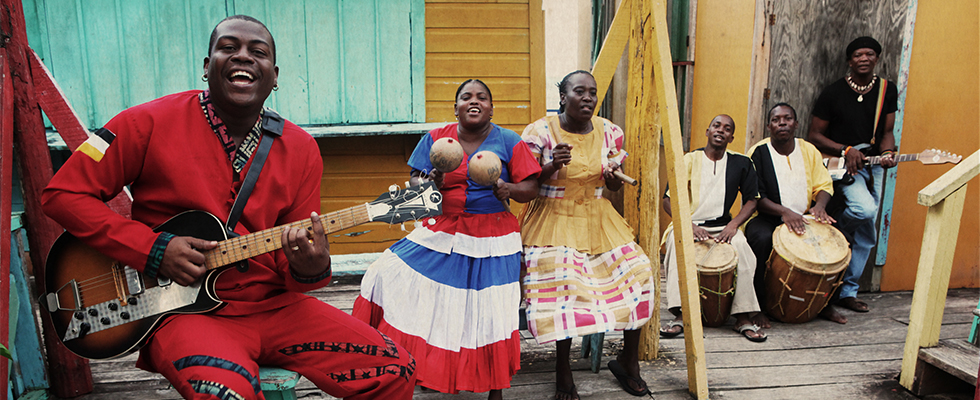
(153, 301)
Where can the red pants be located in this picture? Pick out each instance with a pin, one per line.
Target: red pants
(218, 357)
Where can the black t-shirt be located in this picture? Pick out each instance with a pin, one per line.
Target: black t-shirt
(850, 121)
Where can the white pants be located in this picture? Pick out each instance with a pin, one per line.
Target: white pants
(745, 300)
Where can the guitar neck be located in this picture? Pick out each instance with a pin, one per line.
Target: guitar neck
(256, 243)
(875, 160)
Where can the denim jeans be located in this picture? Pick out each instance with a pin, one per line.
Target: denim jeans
(858, 219)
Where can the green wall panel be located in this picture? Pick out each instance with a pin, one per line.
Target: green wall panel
(340, 61)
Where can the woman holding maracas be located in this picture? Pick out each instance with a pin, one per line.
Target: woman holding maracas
(449, 292)
(585, 274)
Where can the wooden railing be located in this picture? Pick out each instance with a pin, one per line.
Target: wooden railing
(944, 197)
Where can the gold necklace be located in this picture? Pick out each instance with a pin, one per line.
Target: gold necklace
(861, 89)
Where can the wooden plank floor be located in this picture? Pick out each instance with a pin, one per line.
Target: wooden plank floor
(819, 359)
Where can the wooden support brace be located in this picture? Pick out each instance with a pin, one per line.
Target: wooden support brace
(932, 279)
(680, 202)
(64, 118)
(611, 51)
(70, 375)
(643, 143)
(6, 207)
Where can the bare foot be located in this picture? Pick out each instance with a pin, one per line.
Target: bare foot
(830, 312)
(761, 320)
(564, 381)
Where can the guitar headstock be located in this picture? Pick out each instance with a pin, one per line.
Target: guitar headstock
(933, 156)
(409, 204)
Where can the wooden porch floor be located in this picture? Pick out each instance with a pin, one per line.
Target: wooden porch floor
(819, 359)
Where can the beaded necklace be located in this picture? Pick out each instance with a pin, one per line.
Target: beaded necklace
(861, 89)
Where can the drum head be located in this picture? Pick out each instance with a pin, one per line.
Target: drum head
(822, 249)
(714, 257)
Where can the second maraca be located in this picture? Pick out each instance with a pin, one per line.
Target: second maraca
(446, 154)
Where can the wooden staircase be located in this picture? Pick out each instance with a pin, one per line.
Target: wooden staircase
(930, 365)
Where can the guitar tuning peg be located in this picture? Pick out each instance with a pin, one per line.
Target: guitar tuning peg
(418, 224)
(403, 227)
(432, 221)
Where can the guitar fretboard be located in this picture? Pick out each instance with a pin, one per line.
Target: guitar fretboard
(268, 240)
(875, 160)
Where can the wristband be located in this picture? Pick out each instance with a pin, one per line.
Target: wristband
(843, 150)
(844, 153)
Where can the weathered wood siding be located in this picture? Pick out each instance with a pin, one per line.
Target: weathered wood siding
(808, 42)
(497, 41)
(340, 61)
(357, 170)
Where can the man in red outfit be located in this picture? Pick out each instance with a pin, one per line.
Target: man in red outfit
(192, 151)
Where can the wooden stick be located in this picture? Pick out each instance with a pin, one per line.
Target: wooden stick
(625, 178)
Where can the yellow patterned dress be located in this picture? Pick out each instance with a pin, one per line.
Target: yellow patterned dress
(584, 272)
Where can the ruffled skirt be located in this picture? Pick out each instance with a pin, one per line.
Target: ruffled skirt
(451, 298)
(584, 273)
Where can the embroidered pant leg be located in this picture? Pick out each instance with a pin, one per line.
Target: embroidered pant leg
(340, 354)
(206, 357)
(216, 357)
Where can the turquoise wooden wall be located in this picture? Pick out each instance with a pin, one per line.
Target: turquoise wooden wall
(340, 61)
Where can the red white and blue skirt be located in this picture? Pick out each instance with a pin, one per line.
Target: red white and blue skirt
(449, 293)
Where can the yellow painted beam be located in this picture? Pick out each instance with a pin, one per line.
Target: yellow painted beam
(612, 51)
(932, 279)
(680, 202)
(643, 144)
(950, 181)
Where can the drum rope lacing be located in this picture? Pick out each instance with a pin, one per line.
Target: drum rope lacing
(704, 289)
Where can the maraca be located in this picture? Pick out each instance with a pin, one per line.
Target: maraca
(446, 154)
(485, 168)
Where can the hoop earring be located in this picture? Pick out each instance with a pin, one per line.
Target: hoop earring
(204, 77)
(275, 88)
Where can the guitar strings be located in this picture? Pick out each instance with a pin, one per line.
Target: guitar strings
(94, 288)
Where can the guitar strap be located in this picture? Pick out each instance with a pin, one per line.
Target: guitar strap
(272, 125)
(878, 108)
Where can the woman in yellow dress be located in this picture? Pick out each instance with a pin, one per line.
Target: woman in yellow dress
(585, 274)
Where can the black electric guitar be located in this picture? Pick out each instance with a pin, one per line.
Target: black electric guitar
(838, 167)
(102, 309)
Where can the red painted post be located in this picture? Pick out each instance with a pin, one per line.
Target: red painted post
(69, 375)
(6, 200)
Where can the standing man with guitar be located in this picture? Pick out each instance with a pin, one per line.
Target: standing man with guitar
(853, 118)
(198, 150)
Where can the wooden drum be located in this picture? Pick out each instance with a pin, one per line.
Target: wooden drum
(803, 271)
(716, 264)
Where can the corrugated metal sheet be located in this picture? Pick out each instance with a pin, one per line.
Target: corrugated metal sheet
(340, 61)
